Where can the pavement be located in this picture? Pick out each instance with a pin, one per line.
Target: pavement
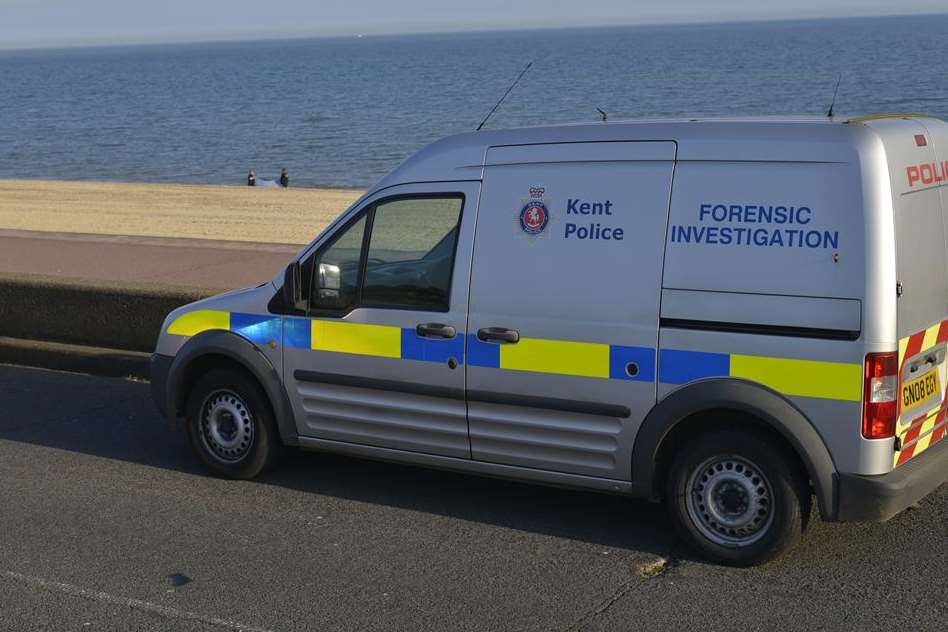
(107, 523)
(199, 263)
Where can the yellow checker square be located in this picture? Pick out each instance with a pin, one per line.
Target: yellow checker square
(802, 378)
(193, 323)
(382, 341)
(584, 359)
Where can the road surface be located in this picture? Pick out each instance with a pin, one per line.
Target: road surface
(107, 523)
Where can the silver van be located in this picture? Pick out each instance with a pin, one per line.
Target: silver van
(732, 316)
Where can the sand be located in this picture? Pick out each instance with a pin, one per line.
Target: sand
(241, 213)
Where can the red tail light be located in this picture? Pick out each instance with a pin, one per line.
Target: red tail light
(881, 396)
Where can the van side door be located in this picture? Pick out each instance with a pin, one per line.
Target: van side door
(564, 309)
(378, 360)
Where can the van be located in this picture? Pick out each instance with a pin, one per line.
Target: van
(731, 316)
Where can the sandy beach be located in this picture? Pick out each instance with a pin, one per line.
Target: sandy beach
(240, 213)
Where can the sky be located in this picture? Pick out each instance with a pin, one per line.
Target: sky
(45, 23)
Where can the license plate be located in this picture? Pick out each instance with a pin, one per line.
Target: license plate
(921, 390)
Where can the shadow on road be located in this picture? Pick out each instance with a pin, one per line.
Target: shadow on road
(115, 419)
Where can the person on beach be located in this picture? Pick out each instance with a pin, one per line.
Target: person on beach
(251, 179)
(284, 178)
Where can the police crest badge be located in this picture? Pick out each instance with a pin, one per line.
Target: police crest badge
(534, 213)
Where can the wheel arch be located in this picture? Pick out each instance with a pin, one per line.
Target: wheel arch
(688, 406)
(216, 349)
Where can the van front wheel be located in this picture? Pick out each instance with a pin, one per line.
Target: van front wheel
(230, 425)
(736, 498)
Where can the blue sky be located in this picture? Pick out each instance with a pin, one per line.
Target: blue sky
(33, 23)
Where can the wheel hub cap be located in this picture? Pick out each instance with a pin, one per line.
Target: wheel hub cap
(730, 501)
(227, 427)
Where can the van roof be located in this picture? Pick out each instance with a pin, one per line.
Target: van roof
(766, 139)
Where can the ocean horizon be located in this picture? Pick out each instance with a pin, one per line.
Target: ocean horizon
(342, 111)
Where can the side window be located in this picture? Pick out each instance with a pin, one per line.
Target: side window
(411, 253)
(336, 270)
(407, 261)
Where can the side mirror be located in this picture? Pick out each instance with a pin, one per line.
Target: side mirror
(293, 287)
(330, 281)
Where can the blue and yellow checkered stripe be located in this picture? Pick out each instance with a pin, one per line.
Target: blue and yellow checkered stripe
(322, 335)
(384, 341)
(790, 376)
(258, 329)
(564, 357)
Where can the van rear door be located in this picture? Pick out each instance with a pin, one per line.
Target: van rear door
(564, 303)
(917, 173)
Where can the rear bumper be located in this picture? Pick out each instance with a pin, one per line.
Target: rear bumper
(160, 368)
(878, 498)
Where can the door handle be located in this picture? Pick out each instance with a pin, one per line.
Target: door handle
(435, 330)
(498, 334)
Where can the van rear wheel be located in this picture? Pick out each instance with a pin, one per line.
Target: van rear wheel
(230, 426)
(736, 498)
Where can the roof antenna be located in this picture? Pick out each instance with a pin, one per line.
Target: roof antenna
(604, 116)
(829, 114)
(512, 86)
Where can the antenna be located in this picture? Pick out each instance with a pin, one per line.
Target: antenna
(829, 114)
(512, 86)
(605, 117)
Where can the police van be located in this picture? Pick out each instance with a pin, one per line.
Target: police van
(735, 317)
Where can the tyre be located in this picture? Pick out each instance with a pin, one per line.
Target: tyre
(737, 498)
(231, 427)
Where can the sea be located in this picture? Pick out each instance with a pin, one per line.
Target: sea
(341, 112)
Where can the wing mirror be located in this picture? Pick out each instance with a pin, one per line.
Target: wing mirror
(293, 287)
(329, 283)
(330, 280)
(328, 290)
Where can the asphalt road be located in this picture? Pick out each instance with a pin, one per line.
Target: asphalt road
(107, 523)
